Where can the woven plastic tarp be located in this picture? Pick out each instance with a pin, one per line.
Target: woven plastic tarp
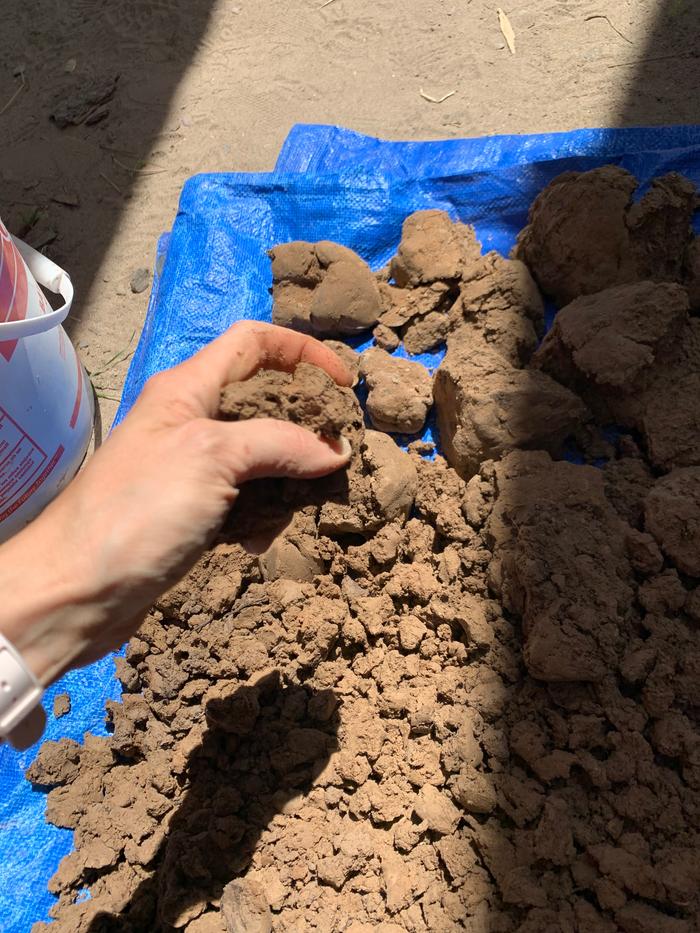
(213, 270)
(318, 149)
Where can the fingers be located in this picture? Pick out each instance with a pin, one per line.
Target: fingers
(264, 447)
(247, 347)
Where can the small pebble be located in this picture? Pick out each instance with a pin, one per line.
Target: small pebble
(140, 280)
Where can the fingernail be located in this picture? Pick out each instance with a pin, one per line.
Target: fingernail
(340, 445)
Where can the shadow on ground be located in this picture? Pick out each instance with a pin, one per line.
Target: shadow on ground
(90, 84)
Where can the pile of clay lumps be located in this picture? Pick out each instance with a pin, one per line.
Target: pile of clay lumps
(434, 692)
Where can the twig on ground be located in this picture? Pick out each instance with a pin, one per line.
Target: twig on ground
(112, 184)
(660, 58)
(436, 100)
(138, 171)
(607, 19)
(119, 357)
(14, 97)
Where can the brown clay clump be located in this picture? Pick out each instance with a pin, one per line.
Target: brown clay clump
(417, 316)
(381, 488)
(311, 399)
(400, 392)
(433, 249)
(308, 397)
(501, 305)
(606, 346)
(585, 233)
(634, 356)
(491, 299)
(548, 518)
(672, 511)
(486, 408)
(668, 412)
(323, 288)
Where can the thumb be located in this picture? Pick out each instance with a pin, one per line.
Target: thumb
(264, 447)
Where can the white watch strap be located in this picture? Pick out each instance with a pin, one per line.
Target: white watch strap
(20, 691)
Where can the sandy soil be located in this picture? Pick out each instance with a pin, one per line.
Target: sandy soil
(216, 84)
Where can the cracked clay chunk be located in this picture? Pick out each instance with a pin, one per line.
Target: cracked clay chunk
(308, 397)
(501, 303)
(643, 373)
(420, 316)
(382, 488)
(323, 288)
(432, 249)
(606, 345)
(400, 392)
(668, 412)
(311, 399)
(672, 512)
(485, 408)
(586, 234)
(245, 908)
(560, 563)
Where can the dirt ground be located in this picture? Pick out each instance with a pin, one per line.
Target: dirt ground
(215, 85)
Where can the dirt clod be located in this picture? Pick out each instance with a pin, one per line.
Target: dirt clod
(400, 392)
(586, 234)
(323, 288)
(672, 511)
(485, 408)
(61, 705)
(433, 249)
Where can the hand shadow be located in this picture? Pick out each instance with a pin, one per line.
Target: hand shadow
(261, 749)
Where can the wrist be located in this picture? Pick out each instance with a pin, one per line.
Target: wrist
(47, 601)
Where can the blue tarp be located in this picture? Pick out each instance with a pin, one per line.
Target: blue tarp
(329, 184)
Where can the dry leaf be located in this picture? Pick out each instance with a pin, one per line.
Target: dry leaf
(507, 30)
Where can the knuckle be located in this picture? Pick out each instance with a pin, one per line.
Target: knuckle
(162, 394)
(201, 437)
(295, 443)
(157, 386)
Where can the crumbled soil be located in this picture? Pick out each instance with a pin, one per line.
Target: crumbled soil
(459, 695)
(400, 392)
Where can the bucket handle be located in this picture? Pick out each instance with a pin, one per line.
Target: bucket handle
(53, 278)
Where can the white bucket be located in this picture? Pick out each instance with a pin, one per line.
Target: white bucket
(46, 404)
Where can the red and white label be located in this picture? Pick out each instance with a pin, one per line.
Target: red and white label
(14, 287)
(24, 465)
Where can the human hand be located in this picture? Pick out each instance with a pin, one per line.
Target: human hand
(149, 502)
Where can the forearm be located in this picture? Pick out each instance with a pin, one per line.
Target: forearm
(48, 599)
